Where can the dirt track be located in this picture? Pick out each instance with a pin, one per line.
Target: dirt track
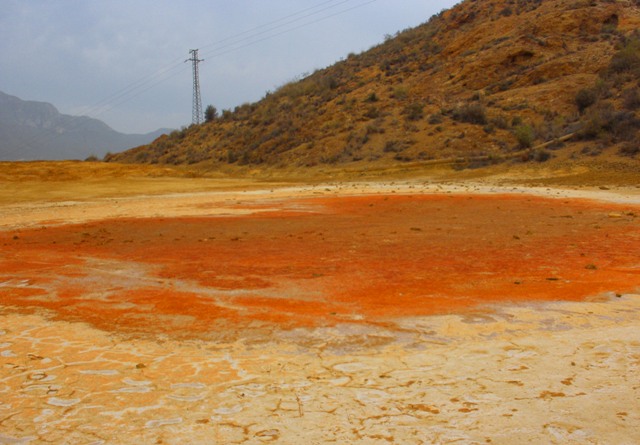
(363, 314)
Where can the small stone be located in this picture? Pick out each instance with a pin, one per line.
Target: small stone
(38, 376)
(141, 366)
(62, 402)
(268, 435)
(591, 267)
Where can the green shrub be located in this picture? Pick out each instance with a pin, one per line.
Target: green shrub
(585, 98)
(179, 134)
(210, 113)
(627, 59)
(598, 121)
(524, 135)
(435, 119)
(506, 12)
(372, 112)
(377, 127)
(372, 97)
(500, 122)
(395, 146)
(604, 121)
(473, 113)
(400, 92)
(414, 111)
(625, 125)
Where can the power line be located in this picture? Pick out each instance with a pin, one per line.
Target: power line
(133, 89)
(277, 22)
(225, 46)
(230, 44)
(252, 40)
(147, 82)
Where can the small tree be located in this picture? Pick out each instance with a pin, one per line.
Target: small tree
(210, 113)
(585, 98)
(524, 135)
(474, 113)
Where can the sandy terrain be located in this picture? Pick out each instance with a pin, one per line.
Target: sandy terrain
(405, 312)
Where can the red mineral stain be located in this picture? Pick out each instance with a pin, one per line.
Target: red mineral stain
(331, 260)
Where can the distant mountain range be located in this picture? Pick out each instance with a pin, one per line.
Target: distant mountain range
(37, 131)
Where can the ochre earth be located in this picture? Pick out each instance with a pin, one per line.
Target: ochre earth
(190, 311)
(320, 262)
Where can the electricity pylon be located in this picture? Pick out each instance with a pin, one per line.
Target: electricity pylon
(197, 100)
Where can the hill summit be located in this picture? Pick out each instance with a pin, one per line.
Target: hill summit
(486, 81)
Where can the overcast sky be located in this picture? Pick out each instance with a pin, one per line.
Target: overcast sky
(122, 61)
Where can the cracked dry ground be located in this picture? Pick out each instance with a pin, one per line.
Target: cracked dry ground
(372, 319)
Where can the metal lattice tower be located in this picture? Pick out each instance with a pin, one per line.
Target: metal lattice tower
(197, 100)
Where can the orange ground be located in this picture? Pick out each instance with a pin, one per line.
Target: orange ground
(329, 260)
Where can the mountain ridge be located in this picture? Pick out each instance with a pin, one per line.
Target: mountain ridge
(488, 79)
(33, 130)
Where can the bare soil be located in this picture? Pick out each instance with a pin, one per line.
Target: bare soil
(189, 309)
(322, 261)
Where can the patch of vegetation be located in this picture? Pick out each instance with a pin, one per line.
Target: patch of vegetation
(630, 148)
(603, 121)
(591, 151)
(414, 111)
(500, 122)
(372, 112)
(210, 113)
(435, 119)
(541, 155)
(473, 113)
(627, 59)
(336, 114)
(609, 108)
(524, 135)
(400, 92)
(631, 99)
(372, 97)
(376, 127)
(395, 146)
(585, 98)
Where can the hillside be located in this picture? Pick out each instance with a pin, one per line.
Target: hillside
(488, 81)
(32, 130)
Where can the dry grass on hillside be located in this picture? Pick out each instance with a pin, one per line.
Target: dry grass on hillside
(485, 79)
